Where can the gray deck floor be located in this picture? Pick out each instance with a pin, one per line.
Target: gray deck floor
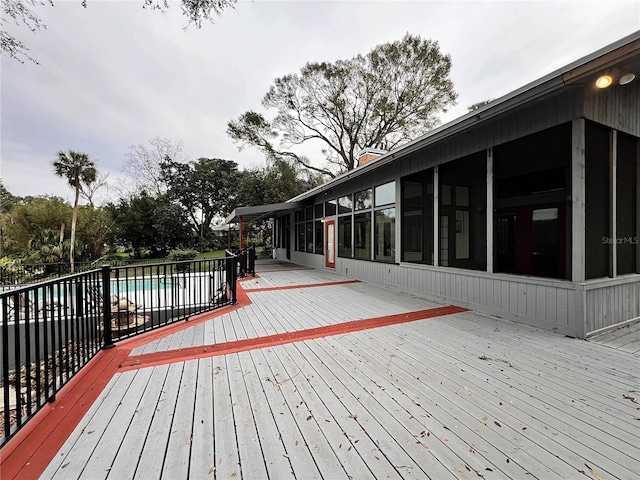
(625, 338)
(459, 396)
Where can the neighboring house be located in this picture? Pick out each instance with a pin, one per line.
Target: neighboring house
(526, 208)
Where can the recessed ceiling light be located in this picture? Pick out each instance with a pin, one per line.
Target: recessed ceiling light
(604, 81)
(627, 78)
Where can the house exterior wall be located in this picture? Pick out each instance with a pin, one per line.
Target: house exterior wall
(545, 303)
(575, 308)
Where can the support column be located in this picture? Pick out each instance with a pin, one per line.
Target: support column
(436, 216)
(613, 234)
(578, 188)
(637, 236)
(490, 248)
(241, 228)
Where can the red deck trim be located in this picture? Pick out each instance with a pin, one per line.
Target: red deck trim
(308, 285)
(184, 354)
(29, 453)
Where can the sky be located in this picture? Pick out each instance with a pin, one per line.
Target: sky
(115, 75)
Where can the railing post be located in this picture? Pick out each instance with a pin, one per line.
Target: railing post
(231, 267)
(252, 260)
(79, 300)
(106, 307)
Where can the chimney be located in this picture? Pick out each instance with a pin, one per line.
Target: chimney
(368, 154)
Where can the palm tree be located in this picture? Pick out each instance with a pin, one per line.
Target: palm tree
(79, 170)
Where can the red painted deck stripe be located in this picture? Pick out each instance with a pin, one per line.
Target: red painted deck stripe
(29, 453)
(308, 285)
(162, 358)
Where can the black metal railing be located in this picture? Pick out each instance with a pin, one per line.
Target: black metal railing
(49, 331)
(19, 274)
(246, 260)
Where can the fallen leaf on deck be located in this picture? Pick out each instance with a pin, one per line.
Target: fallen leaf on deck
(211, 470)
(444, 439)
(484, 418)
(354, 416)
(233, 474)
(90, 432)
(497, 423)
(286, 455)
(64, 465)
(296, 444)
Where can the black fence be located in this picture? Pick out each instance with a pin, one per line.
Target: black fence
(49, 331)
(25, 274)
(246, 261)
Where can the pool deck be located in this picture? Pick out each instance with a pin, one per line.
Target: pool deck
(314, 375)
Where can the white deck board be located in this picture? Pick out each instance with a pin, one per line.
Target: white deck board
(226, 445)
(202, 462)
(126, 461)
(459, 396)
(296, 434)
(82, 442)
(178, 453)
(274, 451)
(249, 449)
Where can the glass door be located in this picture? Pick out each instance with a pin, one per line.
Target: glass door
(330, 251)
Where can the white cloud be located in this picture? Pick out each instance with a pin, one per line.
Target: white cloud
(114, 74)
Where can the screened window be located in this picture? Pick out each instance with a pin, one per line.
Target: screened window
(309, 236)
(345, 204)
(344, 237)
(385, 194)
(463, 221)
(417, 218)
(330, 208)
(362, 235)
(319, 236)
(363, 199)
(385, 240)
(300, 237)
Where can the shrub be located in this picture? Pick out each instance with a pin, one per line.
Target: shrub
(180, 254)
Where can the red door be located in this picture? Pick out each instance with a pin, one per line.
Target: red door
(330, 250)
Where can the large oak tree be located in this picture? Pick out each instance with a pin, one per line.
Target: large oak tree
(380, 100)
(205, 189)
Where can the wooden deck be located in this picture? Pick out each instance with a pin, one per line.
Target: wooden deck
(626, 339)
(457, 396)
